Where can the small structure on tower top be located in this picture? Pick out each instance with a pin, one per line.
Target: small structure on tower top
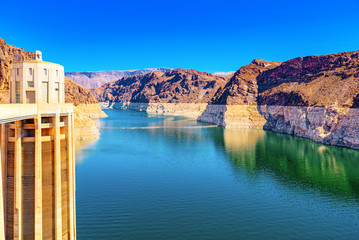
(38, 55)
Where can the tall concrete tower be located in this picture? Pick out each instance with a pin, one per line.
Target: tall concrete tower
(37, 183)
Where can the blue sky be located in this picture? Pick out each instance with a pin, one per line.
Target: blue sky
(207, 35)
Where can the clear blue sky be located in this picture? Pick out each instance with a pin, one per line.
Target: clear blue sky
(207, 35)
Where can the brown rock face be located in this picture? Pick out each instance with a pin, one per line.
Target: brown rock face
(97, 79)
(315, 97)
(77, 94)
(175, 86)
(242, 88)
(321, 81)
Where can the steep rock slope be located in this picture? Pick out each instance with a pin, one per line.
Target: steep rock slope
(321, 81)
(86, 110)
(97, 79)
(235, 105)
(77, 94)
(315, 97)
(175, 86)
(242, 88)
(184, 92)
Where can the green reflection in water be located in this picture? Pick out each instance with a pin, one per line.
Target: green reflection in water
(332, 169)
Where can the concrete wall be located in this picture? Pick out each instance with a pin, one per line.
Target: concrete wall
(55, 74)
(37, 171)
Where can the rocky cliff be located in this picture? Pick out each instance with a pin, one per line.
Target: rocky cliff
(315, 97)
(175, 86)
(86, 110)
(86, 105)
(97, 79)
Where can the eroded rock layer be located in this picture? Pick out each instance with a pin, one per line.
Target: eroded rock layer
(97, 79)
(175, 86)
(315, 97)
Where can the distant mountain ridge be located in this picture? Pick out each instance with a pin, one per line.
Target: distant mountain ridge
(175, 86)
(97, 79)
(315, 97)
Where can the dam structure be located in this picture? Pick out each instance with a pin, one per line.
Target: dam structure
(37, 167)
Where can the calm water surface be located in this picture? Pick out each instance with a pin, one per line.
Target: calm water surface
(167, 178)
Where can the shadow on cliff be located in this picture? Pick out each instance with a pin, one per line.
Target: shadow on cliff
(277, 122)
(214, 114)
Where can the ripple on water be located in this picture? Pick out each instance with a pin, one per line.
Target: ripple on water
(172, 178)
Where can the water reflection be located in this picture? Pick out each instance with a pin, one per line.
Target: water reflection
(331, 169)
(172, 178)
(293, 160)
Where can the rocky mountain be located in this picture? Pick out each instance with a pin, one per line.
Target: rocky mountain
(97, 79)
(242, 87)
(315, 97)
(321, 81)
(174, 86)
(313, 81)
(77, 94)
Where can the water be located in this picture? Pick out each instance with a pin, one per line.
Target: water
(167, 178)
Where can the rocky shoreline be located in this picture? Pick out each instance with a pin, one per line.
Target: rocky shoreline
(326, 125)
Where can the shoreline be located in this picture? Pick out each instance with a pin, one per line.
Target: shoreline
(333, 126)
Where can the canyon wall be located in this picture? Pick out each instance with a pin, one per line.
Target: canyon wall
(97, 79)
(190, 110)
(86, 110)
(314, 97)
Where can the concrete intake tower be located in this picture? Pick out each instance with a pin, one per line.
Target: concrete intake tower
(37, 167)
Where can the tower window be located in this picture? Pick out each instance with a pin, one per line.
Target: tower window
(17, 91)
(30, 71)
(45, 71)
(17, 71)
(57, 73)
(57, 91)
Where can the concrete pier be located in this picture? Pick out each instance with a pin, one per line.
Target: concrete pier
(37, 193)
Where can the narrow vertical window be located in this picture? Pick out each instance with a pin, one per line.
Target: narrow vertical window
(17, 88)
(17, 71)
(57, 92)
(45, 71)
(45, 92)
(30, 71)
(57, 73)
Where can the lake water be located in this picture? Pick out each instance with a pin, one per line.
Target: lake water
(151, 177)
